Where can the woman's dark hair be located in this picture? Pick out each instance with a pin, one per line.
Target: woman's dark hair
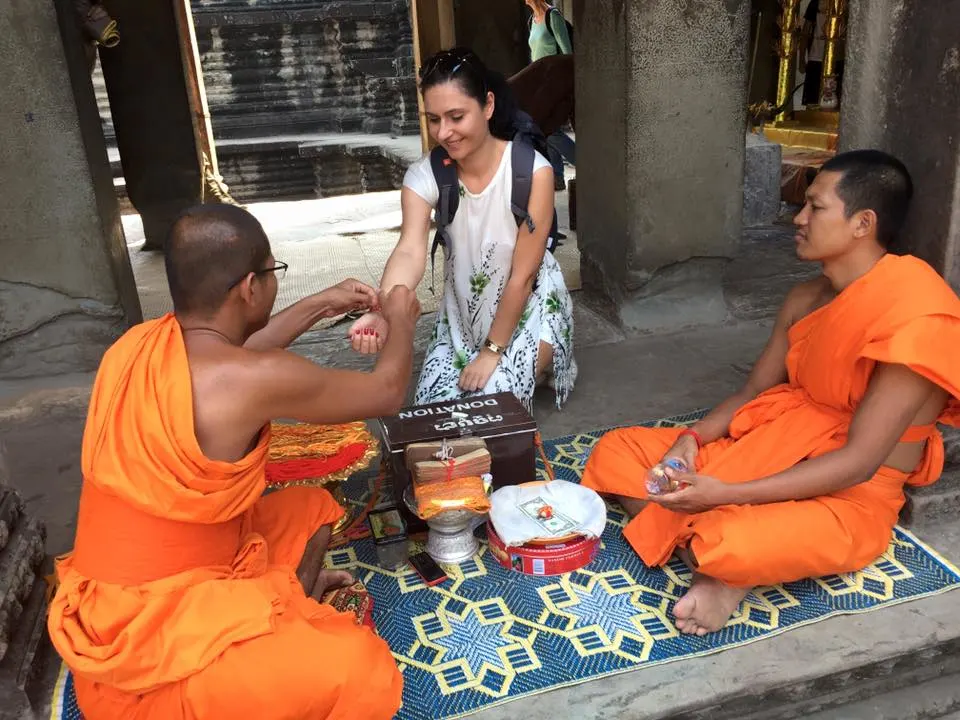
(476, 80)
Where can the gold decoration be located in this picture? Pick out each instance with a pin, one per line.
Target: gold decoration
(834, 29)
(789, 23)
(304, 441)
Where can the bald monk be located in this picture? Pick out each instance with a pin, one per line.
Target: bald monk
(801, 473)
(181, 598)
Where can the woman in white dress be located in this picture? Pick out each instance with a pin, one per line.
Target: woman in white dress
(505, 322)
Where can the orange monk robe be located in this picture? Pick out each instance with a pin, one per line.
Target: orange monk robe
(900, 312)
(180, 599)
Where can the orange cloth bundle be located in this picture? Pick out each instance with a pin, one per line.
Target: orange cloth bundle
(465, 493)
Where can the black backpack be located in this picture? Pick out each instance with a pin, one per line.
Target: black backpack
(527, 139)
(550, 27)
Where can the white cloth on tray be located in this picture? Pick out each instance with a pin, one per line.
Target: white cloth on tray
(516, 512)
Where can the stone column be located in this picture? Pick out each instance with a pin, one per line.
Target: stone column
(66, 288)
(661, 98)
(901, 94)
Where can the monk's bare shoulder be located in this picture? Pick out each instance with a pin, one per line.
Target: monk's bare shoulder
(229, 366)
(227, 388)
(804, 298)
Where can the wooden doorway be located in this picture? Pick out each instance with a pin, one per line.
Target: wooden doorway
(434, 29)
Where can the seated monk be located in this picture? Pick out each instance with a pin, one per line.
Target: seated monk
(182, 597)
(801, 473)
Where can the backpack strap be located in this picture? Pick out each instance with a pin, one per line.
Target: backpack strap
(448, 185)
(522, 163)
(546, 21)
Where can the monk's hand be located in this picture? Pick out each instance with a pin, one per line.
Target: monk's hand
(369, 333)
(476, 375)
(685, 449)
(348, 296)
(697, 494)
(400, 308)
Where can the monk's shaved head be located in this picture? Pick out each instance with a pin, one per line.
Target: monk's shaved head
(210, 249)
(874, 180)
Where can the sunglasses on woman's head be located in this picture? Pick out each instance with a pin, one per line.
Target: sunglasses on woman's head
(447, 62)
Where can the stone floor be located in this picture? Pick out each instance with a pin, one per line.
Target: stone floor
(324, 241)
(872, 664)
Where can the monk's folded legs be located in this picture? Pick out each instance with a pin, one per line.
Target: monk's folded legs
(619, 462)
(733, 549)
(297, 524)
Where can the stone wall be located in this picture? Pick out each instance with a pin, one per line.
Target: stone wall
(497, 31)
(902, 94)
(66, 288)
(280, 67)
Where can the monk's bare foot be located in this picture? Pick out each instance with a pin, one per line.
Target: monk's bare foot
(330, 580)
(707, 606)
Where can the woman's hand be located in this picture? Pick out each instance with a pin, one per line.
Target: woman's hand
(369, 333)
(697, 494)
(476, 375)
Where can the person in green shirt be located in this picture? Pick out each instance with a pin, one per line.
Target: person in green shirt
(548, 36)
(548, 31)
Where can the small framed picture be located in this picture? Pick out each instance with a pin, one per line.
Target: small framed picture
(387, 525)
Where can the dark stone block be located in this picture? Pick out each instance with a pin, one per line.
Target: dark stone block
(20, 562)
(24, 687)
(11, 508)
(572, 193)
(761, 181)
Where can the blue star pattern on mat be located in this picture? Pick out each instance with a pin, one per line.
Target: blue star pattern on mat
(489, 634)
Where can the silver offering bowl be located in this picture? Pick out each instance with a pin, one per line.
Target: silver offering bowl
(450, 538)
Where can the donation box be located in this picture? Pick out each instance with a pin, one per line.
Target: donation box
(500, 420)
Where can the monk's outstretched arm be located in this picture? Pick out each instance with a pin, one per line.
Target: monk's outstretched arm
(893, 399)
(289, 386)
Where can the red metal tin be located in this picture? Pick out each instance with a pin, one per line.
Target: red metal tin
(544, 559)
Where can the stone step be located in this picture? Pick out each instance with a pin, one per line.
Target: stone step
(937, 698)
(928, 506)
(289, 167)
(882, 685)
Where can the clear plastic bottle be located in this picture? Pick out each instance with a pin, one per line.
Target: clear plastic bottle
(659, 482)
